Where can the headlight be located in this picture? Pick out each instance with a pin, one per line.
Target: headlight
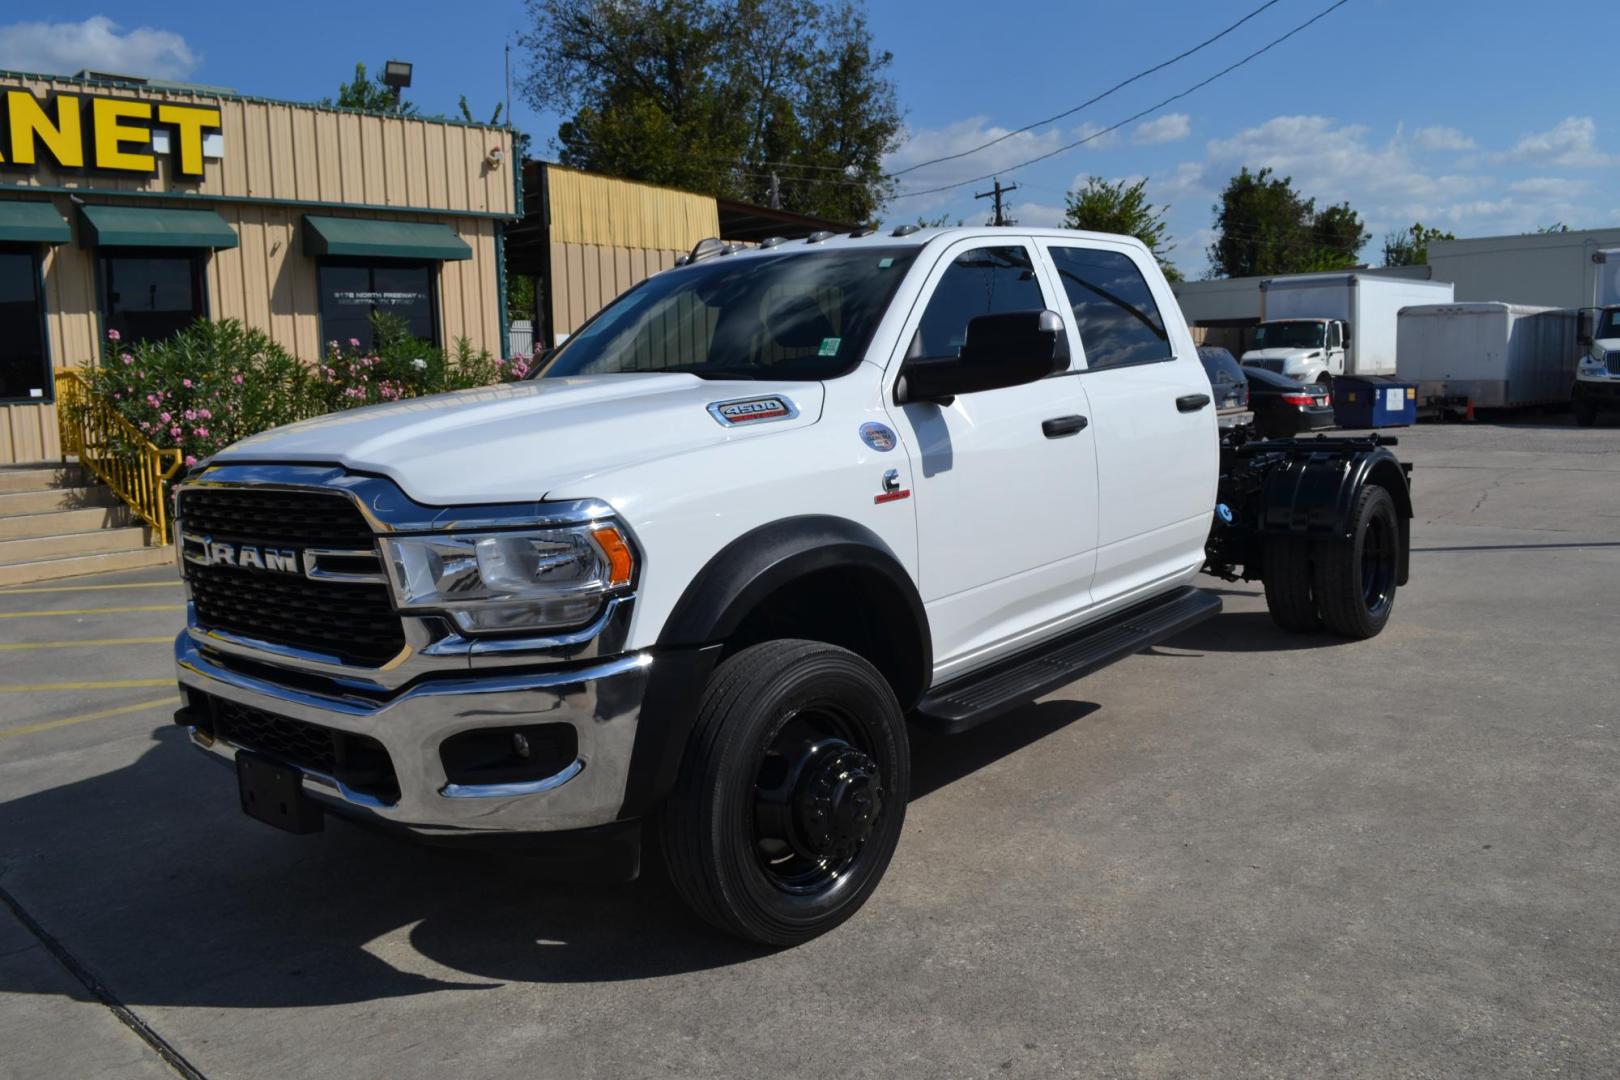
(541, 579)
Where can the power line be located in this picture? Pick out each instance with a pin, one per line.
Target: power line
(1135, 117)
(1087, 104)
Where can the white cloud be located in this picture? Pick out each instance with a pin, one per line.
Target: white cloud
(1171, 127)
(1572, 142)
(926, 144)
(1095, 136)
(1556, 187)
(1188, 179)
(1441, 138)
(95, 43)
(1037, 215)
(1334, 162)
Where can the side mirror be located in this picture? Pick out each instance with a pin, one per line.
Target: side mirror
(1586, 325)
(1009, 349)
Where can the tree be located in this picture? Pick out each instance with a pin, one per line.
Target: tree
(371, 95)
(1264, 226)
(1411, 248)
(1122, 207)
(734, 98)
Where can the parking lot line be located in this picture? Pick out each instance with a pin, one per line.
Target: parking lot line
(97, 642)
(92, 611)
(101, 684)
(90, 588)
(101, 714)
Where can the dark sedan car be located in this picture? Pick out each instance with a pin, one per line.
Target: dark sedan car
(1284, 406)
(1228, 384)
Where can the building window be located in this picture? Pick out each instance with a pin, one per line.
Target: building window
(24, 367)
(1114, 311)
(984, 281)
(150, 296)
(352, 290)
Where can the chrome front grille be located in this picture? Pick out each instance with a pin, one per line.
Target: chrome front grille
(1613, 359)
(298, 609)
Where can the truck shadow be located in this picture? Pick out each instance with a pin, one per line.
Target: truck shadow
(1244, 631)
(154, 881)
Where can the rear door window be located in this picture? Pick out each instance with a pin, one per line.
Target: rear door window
(1114, 310)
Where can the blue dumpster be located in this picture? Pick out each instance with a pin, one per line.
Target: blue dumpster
(1374, 401)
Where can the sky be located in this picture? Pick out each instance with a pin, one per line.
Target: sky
(1480, 117)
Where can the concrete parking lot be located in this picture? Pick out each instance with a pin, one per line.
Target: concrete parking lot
(1242, 854)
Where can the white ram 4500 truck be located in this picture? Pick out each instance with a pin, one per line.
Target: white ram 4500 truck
(761, 512)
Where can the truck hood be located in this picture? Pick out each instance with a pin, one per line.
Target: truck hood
(1284, 354)
(515, 443)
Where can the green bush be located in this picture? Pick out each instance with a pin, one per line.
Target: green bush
(215, 383)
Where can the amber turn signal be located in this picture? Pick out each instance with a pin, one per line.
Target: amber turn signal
(621, 564)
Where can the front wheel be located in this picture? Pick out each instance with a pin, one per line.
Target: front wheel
(1585, 410)
(1355, 578)
(792, 792)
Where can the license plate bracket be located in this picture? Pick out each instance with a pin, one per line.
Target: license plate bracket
(274, 794)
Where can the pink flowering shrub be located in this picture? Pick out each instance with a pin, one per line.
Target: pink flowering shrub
(216, 383)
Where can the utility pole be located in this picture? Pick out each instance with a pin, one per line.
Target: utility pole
(775, 202)
(997, 192)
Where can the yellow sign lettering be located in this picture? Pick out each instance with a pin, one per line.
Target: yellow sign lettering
(110, 132)
(30, 122)
(190, 122)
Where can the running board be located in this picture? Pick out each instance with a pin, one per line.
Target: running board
(984, 695)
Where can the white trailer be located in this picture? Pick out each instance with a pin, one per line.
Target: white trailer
(1356, 313)
(1486, 355)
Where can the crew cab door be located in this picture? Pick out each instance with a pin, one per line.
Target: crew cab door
(1157, 444)
(1005, 485)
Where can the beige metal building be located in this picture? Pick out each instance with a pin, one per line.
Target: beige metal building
(585, 238)
(140, 207)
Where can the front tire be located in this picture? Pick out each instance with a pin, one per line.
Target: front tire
(792, 793)
(1585, 410)
(1355, 578)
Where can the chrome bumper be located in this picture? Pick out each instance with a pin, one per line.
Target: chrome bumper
(602, 701)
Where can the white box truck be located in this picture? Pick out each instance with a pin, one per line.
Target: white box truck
(1597, 370)
(1486, 355)
(1315, 326)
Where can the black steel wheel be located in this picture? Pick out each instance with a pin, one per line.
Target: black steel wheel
(792, 793)
(1287, 574)
(1356, 578)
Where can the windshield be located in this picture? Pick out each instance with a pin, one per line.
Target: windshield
(1609, 323)
(805, 315)
(1288, 335)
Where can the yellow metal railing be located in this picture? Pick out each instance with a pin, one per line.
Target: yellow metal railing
(115, 451)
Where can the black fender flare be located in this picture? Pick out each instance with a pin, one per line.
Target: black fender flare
(734, 581)
(1313, 493)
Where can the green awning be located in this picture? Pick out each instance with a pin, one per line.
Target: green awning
(370, 238)
(142, 226)
(32, 223)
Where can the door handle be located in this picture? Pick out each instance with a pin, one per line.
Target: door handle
(1192, 402)
(1061, 426)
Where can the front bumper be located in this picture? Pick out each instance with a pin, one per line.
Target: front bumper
(1599, 389)
(601, 700)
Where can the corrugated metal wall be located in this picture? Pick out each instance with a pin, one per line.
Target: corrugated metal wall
(288, 155)
(599, 210)
(584, 277)
(607, 235)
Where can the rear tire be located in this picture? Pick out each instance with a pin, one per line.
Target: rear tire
(1288, 584)
(792, 793)
(1355, 578)
(1585, 411)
